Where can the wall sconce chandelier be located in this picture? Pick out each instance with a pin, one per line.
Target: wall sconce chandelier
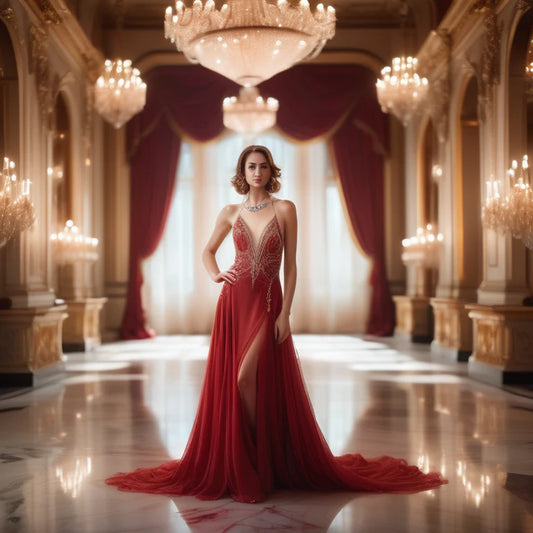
(249, 41)
(400, 89)
(509, 203)
(423, 249)
(249, 113)
(70, 246)
(16, 210)
(119, 92)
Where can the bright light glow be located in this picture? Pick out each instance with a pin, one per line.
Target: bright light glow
(70, 246)
(118, 101)
(16, 210)
(249, 113)
(400, 89)
(509, 203)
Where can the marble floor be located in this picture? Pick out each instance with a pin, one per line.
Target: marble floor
(132, 404)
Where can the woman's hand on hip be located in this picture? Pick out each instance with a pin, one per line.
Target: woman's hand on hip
(226, 275)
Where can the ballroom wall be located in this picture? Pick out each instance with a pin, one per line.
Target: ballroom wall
(471, 127)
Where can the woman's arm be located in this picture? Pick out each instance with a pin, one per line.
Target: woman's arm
(290, 223)
(223, 226)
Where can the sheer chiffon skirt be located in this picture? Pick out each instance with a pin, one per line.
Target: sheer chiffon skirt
(224, 456)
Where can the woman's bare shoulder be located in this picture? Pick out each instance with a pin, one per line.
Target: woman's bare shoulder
(285, 207)
(229, 212)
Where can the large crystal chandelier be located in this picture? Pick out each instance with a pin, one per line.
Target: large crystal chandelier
(249, 41)
(424, 248)
(71, 246)
(16, 209)
(249, 113)
(120, 92)
(400, 89)
(509, 203)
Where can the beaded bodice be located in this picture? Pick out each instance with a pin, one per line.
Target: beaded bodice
(261, 260)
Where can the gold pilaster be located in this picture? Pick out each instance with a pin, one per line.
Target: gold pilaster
(81, 330)
(30, 345)
(414, 318)
(453, 329)
(503, 344)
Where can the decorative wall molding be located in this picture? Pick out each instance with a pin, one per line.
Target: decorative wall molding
(39, 65)
(50, 13)
(88, 121)
(524, 5)
(440, 87)
(7, 15)
(490, 57)
(503, 336)
(453, 327)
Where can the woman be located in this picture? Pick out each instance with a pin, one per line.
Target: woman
(255, 429)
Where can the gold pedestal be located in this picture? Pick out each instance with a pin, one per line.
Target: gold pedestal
(453, 329)
(414, 319)
(30, 346)
(81, 330)
(503, 344)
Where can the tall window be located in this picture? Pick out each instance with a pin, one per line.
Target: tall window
(332, 292)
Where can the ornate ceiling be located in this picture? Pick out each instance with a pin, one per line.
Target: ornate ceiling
(350, 13)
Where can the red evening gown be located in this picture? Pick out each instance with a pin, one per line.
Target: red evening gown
(287, 450)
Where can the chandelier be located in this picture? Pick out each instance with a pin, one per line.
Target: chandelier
(249, 41)
(423, 249)
(16, 210)
(400, 89)
(120, 92)
(70, 246)
(249, 112)
(509, 203)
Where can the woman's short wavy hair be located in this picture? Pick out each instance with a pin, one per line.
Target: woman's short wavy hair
(239, 180)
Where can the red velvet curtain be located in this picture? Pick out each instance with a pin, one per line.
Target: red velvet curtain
(315, 100)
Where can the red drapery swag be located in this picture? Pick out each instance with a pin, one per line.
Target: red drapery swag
(315, 100)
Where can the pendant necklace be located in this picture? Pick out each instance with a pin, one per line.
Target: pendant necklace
(258, 207)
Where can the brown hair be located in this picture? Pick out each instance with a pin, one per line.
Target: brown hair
(239, 180)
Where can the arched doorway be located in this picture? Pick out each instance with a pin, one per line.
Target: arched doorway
(517, 269)
(428, 203)
(468, 231)
(9, 128)
(61, 166)
(9, 98)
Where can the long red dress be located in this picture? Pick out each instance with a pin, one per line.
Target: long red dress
(288, 450)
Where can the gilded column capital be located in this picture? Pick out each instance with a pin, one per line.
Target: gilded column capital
(439, 81)
(39, 65)
(51, 14)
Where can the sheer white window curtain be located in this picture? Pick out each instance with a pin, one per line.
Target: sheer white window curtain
(332, 294)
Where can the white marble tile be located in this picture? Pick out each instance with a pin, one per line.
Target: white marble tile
(132, 404)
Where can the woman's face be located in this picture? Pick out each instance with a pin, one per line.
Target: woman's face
(257, 170)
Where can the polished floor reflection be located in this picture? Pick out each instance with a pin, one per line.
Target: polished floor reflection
(132, 404)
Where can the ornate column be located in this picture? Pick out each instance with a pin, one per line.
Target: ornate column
(47, 44)
(30, 323)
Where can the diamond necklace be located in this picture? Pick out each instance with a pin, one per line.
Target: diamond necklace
(258, 207)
